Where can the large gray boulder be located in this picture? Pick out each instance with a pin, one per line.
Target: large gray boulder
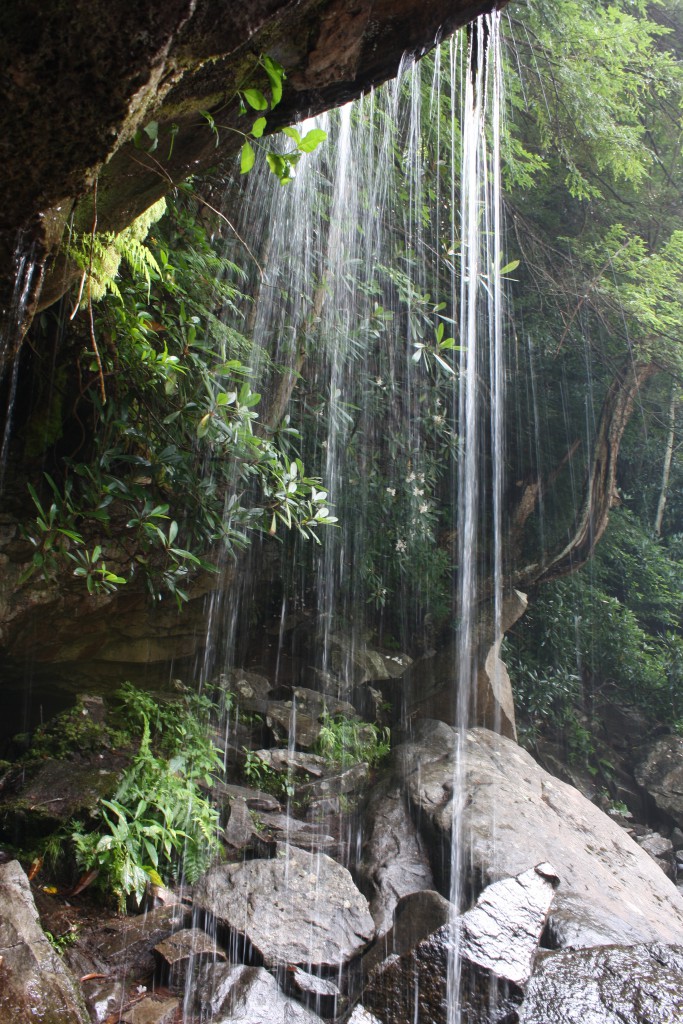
(660, 773)
(640, 984)
(237, 994)
(496, 943)
(514, 815)
(35, 985)
(298, 908)
(395, 861)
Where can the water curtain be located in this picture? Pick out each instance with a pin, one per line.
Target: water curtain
(388, 241)
(481, 332)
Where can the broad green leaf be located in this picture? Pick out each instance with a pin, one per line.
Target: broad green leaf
(247, 158)
(312, 140)
(255, 99)
(258, 127)
(276, 74)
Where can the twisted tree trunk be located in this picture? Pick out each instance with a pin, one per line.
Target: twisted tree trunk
(593, 516)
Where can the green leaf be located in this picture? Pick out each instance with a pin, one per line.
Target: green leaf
(255, 99)
(258, 127)
(312, 140)
(247, 158)
(509, 267)
(292, 133)
(276, 74)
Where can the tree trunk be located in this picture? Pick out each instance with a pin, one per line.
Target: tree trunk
(666, 469)
(600, 489)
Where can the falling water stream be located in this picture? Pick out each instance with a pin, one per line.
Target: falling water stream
(342, 298)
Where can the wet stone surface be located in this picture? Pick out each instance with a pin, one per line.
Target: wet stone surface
(35, 985)
(178, 955)
(502, 931)
(641, 984)
(237, 994)
(498, 943)
(395, 861)
(412, 987)
(660, 773)
(297, 908)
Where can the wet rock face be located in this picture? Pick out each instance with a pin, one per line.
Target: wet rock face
(660, 773)
(395, 862)
(56, 792)
(640, 984)
(34, 983)
(235, 994)
(428, 689)
(297, 908)
(501, 932)
(611, 891)
(413, 987)
(498, 940)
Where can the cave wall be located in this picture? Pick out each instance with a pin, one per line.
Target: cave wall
(79, 79)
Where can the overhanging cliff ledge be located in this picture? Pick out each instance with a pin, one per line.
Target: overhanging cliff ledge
(76, 86)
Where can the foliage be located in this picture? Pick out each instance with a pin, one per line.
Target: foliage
(271, 780)
(62, 942)
(179, 433)
(607, 633)
(99, 255)
(75, 732)
(158, 825)
(345, 741)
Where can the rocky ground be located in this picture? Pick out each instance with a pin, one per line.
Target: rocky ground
(332, 900)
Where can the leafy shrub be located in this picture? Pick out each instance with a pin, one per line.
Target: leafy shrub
(346, 741)
(158, 826)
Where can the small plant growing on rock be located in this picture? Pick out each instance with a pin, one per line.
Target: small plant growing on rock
(158, 825)
(265, 777)
(345, 741)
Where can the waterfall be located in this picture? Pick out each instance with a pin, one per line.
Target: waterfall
(482, 346)
(350, 250)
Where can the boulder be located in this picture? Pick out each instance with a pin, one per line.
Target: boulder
(245, 684)
(103, 997)
(290, 725)
(640, 984)
(395, 861)
(501, 932)
(285, 760)
(129, 945)
(429, 687)
(34, 982)
(490, 949)
(297, 908)
(304, 834)
(152, 1010)
(413, 987)
(54, 793)
(321, 994)
(513, 814)
(179, 955)
(338, 784)
(661, 850)
(237, 994)
(660, 773)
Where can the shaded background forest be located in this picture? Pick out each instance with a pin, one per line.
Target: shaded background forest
(151, 456)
